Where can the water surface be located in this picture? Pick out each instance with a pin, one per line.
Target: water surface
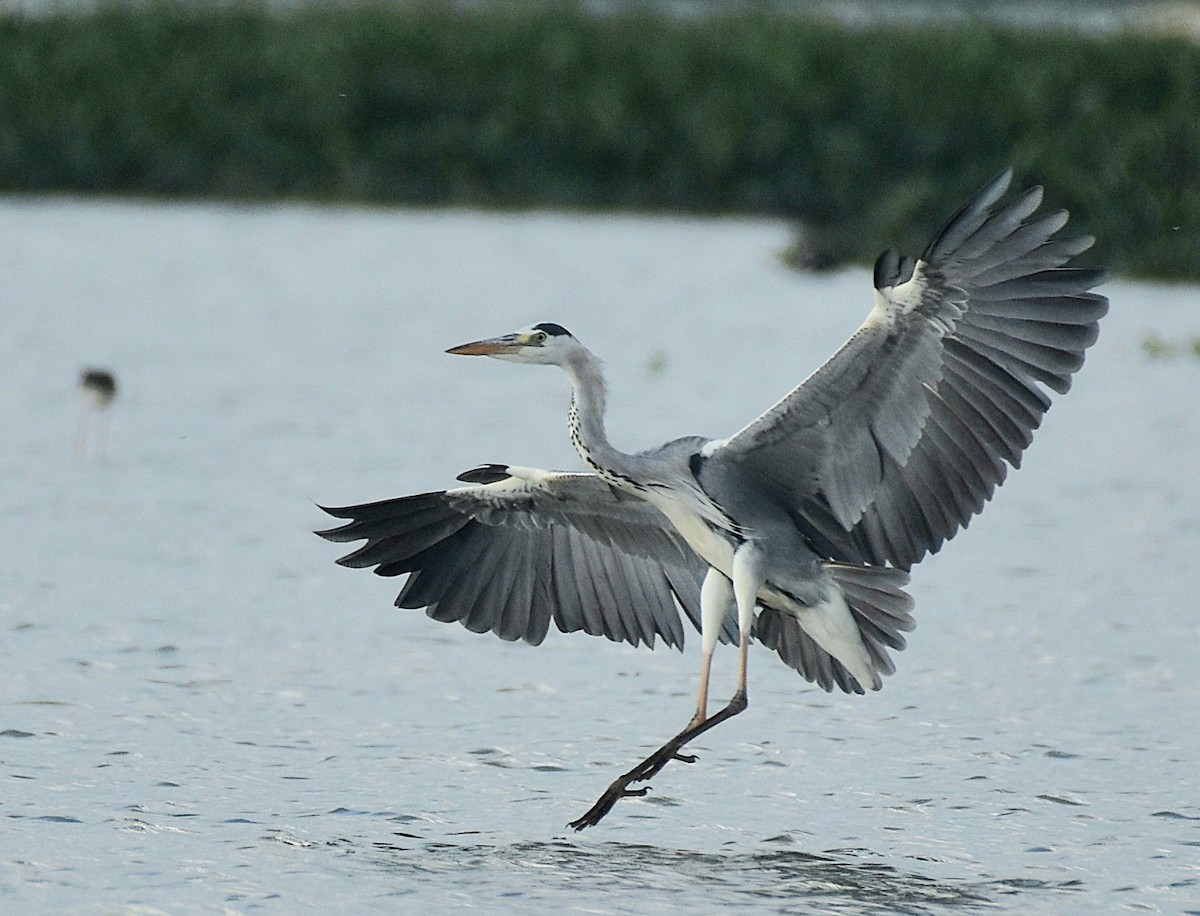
(200, 712)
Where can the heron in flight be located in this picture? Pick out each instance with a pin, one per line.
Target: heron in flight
(799, 529)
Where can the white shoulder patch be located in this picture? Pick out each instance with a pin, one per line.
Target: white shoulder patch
(519, 481)
(893, 302)
(509, 486)
(535, 476)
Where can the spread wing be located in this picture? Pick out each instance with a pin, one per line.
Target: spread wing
(892, 446)
(520, 547)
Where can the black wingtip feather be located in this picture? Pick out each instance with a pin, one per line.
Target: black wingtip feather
(893, 269)
(485, 474)
(968, 217)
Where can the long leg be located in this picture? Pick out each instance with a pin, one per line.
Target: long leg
(747, 578)
(749, 574)
(716, 598)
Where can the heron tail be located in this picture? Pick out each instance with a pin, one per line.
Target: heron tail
(879, 606)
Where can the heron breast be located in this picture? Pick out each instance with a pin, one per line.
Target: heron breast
(715, 547)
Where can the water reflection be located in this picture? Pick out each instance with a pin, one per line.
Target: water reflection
(844, 880)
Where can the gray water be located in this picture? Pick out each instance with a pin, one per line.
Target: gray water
(200, 712)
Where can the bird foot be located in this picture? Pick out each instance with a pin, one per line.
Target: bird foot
(605, 803)
(654, 764)
(620, 786)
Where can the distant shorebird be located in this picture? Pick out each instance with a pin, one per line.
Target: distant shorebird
(811, 515)
(98, 387)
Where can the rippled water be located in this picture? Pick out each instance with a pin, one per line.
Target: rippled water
(200, 712)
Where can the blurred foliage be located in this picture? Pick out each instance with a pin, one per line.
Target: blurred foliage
(863, 136)
(1157, 347)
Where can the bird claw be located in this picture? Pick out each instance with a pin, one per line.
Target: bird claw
(685, 758)
(594, 814)
(631, 793)
(586, 821)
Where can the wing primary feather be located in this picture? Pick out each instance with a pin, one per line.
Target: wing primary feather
(394, 550)
(942, 486)
(1069, 309)
(457, 600)
(657, 608)
(996, 232)
(1028, 248)
(1003, 436)
(622, 603)
(967, 220)
(393, 517)
(1021, 402)
(488, 612)
(1050, 367)
(1069, 338)
(569, 613)
(646, 608)
(1056, 281)
(435, 567)
(959, 486)
(520, 598)
(923, 485)
(543, 601)
(974, 431)
(593, 607)
(899, 515)
(617, 600)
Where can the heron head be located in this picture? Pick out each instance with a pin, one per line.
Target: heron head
(546, 343)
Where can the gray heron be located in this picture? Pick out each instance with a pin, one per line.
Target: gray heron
(798, 530)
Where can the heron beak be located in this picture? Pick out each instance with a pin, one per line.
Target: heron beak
(493, 346)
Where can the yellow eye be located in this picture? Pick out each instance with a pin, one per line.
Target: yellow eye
(539, 337)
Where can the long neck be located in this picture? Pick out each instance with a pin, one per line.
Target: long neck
(588, 404)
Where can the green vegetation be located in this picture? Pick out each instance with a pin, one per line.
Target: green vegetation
(1158, 347)
(863, 135)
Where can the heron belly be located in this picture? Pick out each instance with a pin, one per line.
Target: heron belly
(715, 547)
